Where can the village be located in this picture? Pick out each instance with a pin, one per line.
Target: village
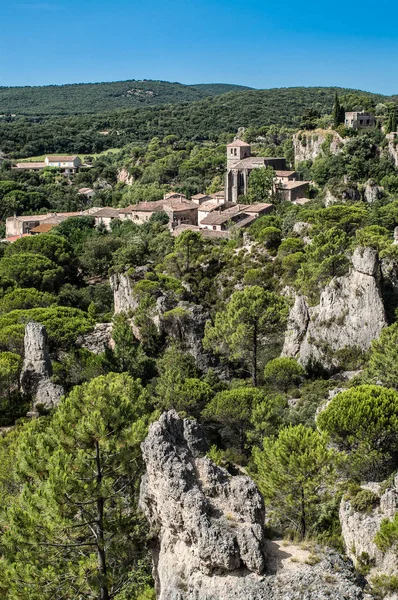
(213, 215)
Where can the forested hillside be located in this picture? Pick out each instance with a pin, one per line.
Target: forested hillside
(279, 338)
(203, 120)
(81, 98)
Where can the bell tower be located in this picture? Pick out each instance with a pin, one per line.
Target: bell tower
(236, 151)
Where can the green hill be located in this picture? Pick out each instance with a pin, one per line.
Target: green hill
(201, 120)
(84, 98)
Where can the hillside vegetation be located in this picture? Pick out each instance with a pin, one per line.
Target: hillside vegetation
(206, 119)
(79, 98)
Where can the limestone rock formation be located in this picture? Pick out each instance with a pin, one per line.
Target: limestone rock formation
(36, 370)
(122, 293)
(392, 148)
(188, 329)
(98, 340)
(208, 525)
(123, 176)
(341, 193)
(308, 145)
(360, 528)
(350, 314)
(372, 191)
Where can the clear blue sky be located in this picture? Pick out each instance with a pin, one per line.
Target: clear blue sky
(260, 43)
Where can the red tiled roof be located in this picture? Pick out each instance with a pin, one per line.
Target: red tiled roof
(106, 211)
(61, 158)
(290, 185)
(43, 228)
(30, 165)
(237, 143)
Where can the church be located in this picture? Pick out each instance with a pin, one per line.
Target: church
(240, 163)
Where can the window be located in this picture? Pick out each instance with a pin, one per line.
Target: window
(235, 152)
(361, 121)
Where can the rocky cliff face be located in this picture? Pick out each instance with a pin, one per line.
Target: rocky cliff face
(392, 148)
(188, 329)
(308, 145)
(360, 528)
(350, 314)
(123, 176)
(36, 370)
(122, 293)
(209, 529)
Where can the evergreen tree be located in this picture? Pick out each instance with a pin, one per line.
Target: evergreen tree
(250, 315)
(74, 530)
(338, 112)
(295, 473)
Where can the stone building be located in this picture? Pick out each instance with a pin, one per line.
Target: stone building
(66, 164)
(292, 190)
(240, 164)
(179, 210)
(240, 215)
(359, 120)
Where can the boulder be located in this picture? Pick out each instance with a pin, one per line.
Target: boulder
(350, 314)
(208, 529)
(36, 370)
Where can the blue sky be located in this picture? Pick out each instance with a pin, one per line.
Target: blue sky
(257, 43)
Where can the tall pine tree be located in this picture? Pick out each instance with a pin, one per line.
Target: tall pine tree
(74, 531)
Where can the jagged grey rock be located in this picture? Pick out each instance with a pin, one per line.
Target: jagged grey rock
(209, 529)
(188, 329)
(308, 145)
(98, 340)
(359, 529)
(36, 370)
(123, 176)
(392, 148)
(122, 293)
(341, 193)
(350, 314)
(372, 191)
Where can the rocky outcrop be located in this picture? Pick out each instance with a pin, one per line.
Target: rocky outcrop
(392, 148)
(372, 191)
(359, 529)
(98, 340)
(123, 176)
(122, 293)
(186, 324)
(308, 145)
(36, 370)
(341, 193)
(208, 526)
(350, 314)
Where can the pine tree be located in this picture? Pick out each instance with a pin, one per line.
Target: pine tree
(250, 315)
(74, 531)
(295, 473)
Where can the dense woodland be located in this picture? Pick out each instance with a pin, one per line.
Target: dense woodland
(207, 119)
(259, 409)
(82, 98)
